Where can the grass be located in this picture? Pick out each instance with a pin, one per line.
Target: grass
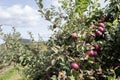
(10, 73)
(7, 74)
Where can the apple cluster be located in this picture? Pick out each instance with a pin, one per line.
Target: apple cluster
(94, 52)
(99, 31)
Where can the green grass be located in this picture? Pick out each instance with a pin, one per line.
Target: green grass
(12, 73)
(8, 74)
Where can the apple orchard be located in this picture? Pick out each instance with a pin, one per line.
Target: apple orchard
(85, 44)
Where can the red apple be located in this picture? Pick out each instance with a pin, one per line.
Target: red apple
(74, 66)
(102, 29)
(101, 24)
(92, 53)
(87, 44)
(74, 36)
(97, 47)
(98, 33)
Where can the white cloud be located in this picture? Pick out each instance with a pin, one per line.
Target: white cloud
(56, 3)
(19, 16)
(25, 19)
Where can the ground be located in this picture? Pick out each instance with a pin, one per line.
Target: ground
(9, 73)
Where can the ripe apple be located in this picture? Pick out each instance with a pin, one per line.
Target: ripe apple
(102, 29)
(92, 53)
(101, 24)
(98, 33)
(87, 44)
(74, 66)
(97, 47)
(74, 36)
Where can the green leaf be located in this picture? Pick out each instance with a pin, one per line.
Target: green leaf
(53, 61)
(78, 10)
(53, 77)
(48, 13)
(83, 6)
(55, 49)
(61, 58)
(109, 24)
(48, 68)
(111, 78)
(41, 11)
(56, 19)
(71, 77)
(115, 21)
(40, 4)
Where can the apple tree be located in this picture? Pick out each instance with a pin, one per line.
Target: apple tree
(85, 43)
(84, 46)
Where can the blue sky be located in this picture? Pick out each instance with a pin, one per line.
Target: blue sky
(9, 3)
(23, 15)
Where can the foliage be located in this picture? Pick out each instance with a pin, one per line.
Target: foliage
(84, 46)
(83, 17)
(14, 51)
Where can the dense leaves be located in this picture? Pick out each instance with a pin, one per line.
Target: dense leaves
(84, 46)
